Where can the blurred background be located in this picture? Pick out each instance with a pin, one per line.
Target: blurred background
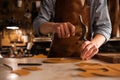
(17, 38)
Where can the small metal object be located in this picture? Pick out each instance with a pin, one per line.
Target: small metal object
(84, 28)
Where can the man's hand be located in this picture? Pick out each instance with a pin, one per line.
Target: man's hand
(88, 50)
(64, 30)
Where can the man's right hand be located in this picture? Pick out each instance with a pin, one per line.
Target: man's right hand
(64, 30)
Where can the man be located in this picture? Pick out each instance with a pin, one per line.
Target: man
(100, 25)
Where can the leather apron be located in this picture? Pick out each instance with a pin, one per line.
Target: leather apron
(79, 15)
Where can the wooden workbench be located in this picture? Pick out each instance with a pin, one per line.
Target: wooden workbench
(59, 71)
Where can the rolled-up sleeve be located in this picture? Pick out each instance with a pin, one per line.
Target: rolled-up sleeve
(102, 23)
(46, 11)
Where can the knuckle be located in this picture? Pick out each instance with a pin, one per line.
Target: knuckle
(58, 28)
(87, 49)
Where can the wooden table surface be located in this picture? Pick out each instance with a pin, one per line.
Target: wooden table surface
(59, 71)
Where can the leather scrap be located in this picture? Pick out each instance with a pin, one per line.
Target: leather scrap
(40, 56)
(32, 68)
(21, 72)
(61, 60)
(25, 70)
(96, 69)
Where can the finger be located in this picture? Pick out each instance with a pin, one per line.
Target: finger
(90, 50)
(62, 31)
(82, 47)
(71, 28)
(54, 28)
(86, 51)
(67, 32)
(93, 52)
(58, 32)
(90, 54)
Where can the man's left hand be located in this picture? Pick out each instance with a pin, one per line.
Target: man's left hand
(88, 50)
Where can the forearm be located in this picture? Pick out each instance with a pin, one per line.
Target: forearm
(47, 27)
(98, 40)
(102, 23)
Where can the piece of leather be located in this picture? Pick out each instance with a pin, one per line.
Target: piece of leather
(40, 56)
(21, 72)
(96, 69)
(61, 60)
(25, 70)
(70, 11)
(32, 68)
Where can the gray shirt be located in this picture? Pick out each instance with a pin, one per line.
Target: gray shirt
(100, 20)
